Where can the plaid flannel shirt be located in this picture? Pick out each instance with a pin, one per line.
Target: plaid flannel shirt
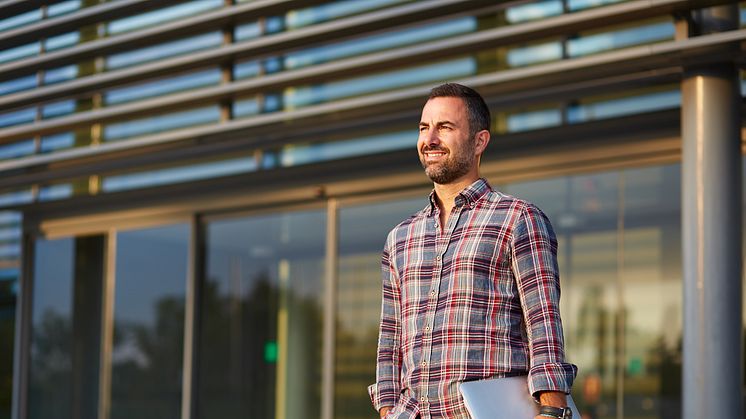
(479, 299)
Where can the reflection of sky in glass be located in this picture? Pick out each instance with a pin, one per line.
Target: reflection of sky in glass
(533, 11)
(246, 69)
(53, 277)
(178, 174)
(303, 96)
(52, 192)
(20, 20)
(621, 38)
(9, 251)
(245, 107)
(57, 141)
(304, 17)
(247, 31)
(161, 15)
(10, 217)
(625, 106)
(162, 86)
(117, 131)
(16, 197)
(160, 51)
(534, 120)
(584, 4)
(17, 53)
(8, 234)
(62, 41)
(151, 265)
(16, 149)
(304, 154)
(16, 85)
(17, 117)
(379, 42)
(56, 109)
(63, 8)
(57, 75)
(522, 56)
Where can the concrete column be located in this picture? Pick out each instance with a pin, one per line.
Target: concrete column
(711, 216)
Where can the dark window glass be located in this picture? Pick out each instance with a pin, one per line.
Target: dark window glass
(66, 328)
(362, 235)
(149, 323)
(262, 306)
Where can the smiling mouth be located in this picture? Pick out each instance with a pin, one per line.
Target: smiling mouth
(434, 154)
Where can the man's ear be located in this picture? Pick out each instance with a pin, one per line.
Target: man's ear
(481, 139)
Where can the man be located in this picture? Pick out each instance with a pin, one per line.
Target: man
(470, 283)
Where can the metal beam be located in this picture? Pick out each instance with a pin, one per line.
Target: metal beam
(256, 129)
(16, 7)
(46, 28)
(712, 367)
(265, 45)
(574, 22)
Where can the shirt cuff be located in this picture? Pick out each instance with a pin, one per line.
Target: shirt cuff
(557, 376)
(382, 396)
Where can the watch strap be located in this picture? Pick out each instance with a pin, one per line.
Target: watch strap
(555, 412)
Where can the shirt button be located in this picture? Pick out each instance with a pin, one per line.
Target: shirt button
(432, 292)
(424, 363)
(427, 328)
(437, 257)
(422, 399)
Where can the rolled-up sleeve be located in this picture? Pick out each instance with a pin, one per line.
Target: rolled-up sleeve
(385, 391)
(535, 267)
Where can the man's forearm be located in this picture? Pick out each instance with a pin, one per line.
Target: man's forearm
(553, 398)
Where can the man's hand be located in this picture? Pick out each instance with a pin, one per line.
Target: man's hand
(385, 410)
(551, 398)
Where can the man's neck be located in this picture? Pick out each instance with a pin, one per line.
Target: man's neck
(445, 194)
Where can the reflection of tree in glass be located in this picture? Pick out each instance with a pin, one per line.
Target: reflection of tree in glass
(234, 379)
(237, 370)
(355, 370)
(146, 364)
(50, 381)
(666, 363)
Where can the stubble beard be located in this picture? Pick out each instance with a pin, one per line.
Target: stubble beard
(450, 170)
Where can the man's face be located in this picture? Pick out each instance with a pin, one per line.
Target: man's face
(445, 146)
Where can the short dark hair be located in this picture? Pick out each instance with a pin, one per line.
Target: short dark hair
(477, 110)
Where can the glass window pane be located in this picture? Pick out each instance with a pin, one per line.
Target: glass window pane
(262, 316)
(359, 299)
(66, 328)
(149, 323)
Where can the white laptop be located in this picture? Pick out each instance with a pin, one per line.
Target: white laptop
(503, 398)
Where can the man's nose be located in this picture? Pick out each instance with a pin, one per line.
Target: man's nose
(432, 138)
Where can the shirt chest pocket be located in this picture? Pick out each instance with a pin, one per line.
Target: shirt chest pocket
(480, 264)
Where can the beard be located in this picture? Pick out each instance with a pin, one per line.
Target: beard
(452, 168)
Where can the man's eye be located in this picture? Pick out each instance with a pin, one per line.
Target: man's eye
(423, 129)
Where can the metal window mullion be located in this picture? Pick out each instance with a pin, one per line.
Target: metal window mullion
(330, 309)
(107, 326)
(191, 320)
(23, 326)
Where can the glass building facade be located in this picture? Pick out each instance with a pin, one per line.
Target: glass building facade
(194, 195)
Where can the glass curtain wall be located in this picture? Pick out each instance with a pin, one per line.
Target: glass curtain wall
(620, 256)
(362, 235)
(149, 297)
(261, 303)
(66, 328)
(261, 307)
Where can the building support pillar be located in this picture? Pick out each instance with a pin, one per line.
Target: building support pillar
(712, 370)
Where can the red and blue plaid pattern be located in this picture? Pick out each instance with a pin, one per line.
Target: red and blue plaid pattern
(478, 300)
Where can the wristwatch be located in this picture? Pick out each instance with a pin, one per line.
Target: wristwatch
(555, 412)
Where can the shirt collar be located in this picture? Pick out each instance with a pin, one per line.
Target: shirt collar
(467, 196)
